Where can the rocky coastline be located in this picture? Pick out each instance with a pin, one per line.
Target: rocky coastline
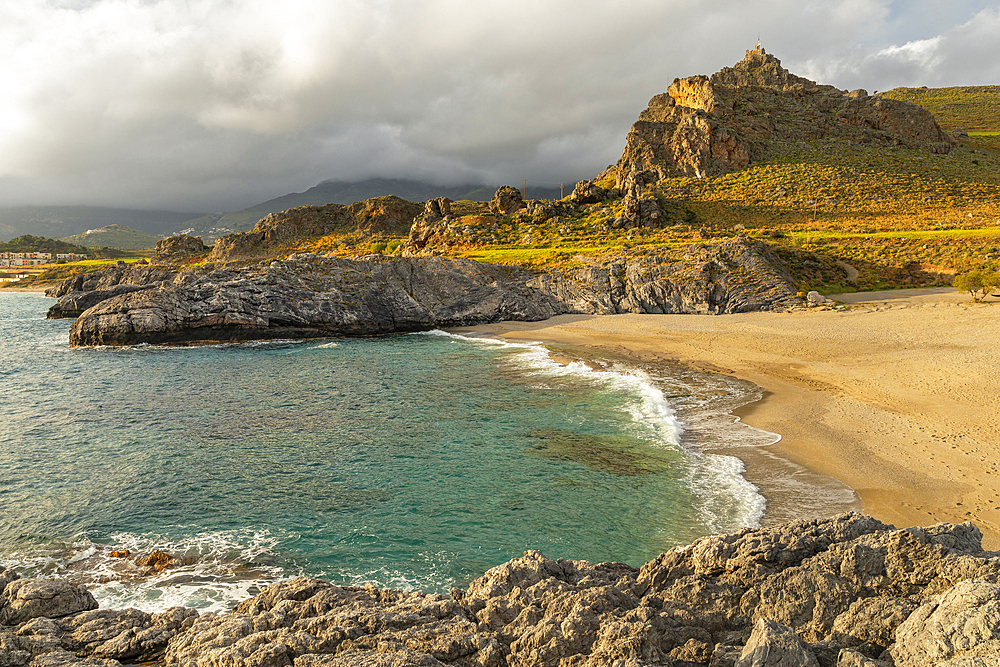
(837, 592)
(307, 295)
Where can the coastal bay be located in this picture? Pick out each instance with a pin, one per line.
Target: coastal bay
(895, 396)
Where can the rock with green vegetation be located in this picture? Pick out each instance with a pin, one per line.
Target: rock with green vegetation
(381, 215)
(707, 126)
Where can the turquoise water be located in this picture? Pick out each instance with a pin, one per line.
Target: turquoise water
(414, 461)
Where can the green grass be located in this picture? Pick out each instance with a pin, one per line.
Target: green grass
(115, 236)
(971, 108)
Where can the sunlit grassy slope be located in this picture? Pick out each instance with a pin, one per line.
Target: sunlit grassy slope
(842, 215)
(963, 107)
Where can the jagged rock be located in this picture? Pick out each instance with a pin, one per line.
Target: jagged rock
(157, 561)
(439, 207)
(506, 200)
(588, 192)
(25, 599)
(177, 248)
(705, 126)
(775, 645)
(127, 635)
(78, 293)
(309, 296)
(380, 215)
(851, 658)
(964, 620)
(6, 576)
(832, 592)
(432, 225)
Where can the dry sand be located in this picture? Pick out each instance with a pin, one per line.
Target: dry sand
(897, 397)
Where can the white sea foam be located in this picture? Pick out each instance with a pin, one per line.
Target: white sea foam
(218, 569)
(727, 500)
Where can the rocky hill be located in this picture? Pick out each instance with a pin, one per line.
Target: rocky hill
(847, 591)
(707, 126)
(114, 236)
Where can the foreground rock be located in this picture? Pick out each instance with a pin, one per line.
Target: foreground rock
(78, 293)
(847, 590)
(313, 296)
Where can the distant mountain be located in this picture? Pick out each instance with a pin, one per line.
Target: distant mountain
(211, 227)
(114, 236)
(61, 221)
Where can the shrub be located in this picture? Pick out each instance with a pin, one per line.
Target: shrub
(978, 283)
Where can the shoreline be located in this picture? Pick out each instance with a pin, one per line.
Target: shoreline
(892, 397)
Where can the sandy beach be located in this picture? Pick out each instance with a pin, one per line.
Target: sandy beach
(897, 397)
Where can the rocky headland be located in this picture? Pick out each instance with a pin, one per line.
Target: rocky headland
(260, 284)
(838, 592)
(307, 295)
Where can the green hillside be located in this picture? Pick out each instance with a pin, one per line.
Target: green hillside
(970, 108)
(29, 243)
(62, 221)
(114, 236)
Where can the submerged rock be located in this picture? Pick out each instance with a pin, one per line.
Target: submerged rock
(835, 592)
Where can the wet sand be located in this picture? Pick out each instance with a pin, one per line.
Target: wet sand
(897, 397)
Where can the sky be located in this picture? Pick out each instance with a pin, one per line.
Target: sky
(216, 105)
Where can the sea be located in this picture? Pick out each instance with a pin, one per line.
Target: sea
(413, 461)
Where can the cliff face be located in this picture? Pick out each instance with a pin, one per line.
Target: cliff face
(312, 296)
(838, 592)
(706, 126)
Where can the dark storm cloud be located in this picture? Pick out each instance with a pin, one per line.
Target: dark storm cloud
(217, 104)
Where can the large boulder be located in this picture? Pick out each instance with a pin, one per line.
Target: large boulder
(506, 200)
(775, 645)
(25, 599)
(964, 621)
(177, 248)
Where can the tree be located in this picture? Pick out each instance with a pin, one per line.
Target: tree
(978, 283)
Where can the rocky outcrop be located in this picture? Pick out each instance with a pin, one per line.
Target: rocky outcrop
(313, 296)
(836, 592)
(389, 215)
(506, 200)
(732, 276)
(308, 296)
(78, 293)
(706, 126)
(431, 226)
(175, 249)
